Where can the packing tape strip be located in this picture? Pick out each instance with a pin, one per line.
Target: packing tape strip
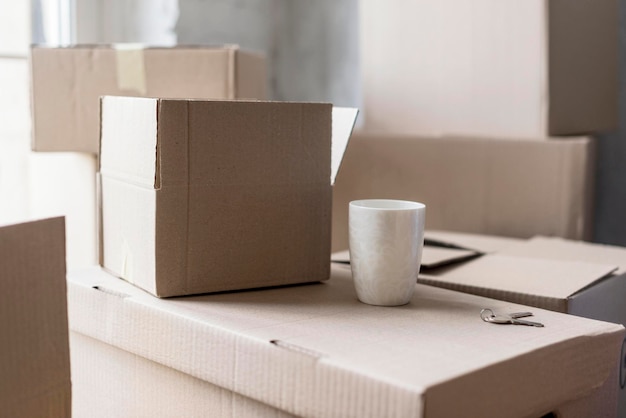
(131, 70)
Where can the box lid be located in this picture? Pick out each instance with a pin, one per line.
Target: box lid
(316, 351)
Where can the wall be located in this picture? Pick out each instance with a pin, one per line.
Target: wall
(610, 201)
(312, 46)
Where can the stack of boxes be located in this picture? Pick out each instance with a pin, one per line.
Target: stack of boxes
(194, 196)
(516, 81)
(483, 110)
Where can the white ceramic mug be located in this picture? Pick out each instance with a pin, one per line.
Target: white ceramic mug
(386, 241)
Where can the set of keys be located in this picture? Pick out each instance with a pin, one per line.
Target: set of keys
(488, 315)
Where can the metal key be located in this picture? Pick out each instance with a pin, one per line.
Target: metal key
(506, 319)
(488, 315)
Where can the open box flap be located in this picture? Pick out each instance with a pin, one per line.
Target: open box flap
(344, 119)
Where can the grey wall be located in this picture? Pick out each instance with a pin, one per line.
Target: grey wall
(312, 46)
(610, 199)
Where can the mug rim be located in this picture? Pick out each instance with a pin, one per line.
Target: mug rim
(392, 204)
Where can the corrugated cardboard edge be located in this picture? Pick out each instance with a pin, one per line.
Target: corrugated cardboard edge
(502, 391)
(246, 364)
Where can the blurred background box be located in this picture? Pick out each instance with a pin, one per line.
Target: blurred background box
(34, 345)
(515, 188)
(519, 68)
(68, 82)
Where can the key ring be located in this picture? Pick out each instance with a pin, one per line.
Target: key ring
(484, 316)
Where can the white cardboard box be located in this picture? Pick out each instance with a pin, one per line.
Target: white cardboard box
(64, 184)
(315, 350)
(515, 68)
(34, 347)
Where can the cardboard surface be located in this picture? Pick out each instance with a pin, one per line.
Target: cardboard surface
(488, 186)
(562, 249)
(204, 196)
(314, 350)
(514, 69)
(550, 273)
(68, 82)
(110, 382)
(34, 348)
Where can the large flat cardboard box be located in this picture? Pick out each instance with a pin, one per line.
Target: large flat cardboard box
(204, 196)
(67, 84)
(34, 346)
(316, 351)
(516, 69)
(574, 277)
(512, 188)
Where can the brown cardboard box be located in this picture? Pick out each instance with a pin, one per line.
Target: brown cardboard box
(515, 188)
(68, 82)
(513, 69)
(34, 348)
(575, 277)
(316, 351)
(205, 196)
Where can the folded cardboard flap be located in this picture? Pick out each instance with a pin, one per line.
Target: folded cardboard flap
(520, 279)
(317, 351)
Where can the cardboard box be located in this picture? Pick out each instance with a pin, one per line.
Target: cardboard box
(68, 82)
(34, 347)
(64, 184)
(515, 188)
(578, 278)
(516, 69)
(205, 196)
(111, 382)
(316, 351)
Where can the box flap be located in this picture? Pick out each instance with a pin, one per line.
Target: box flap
(128, 144)
(544, 283)
(316, 351)
(344, 119)
(555, 248)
